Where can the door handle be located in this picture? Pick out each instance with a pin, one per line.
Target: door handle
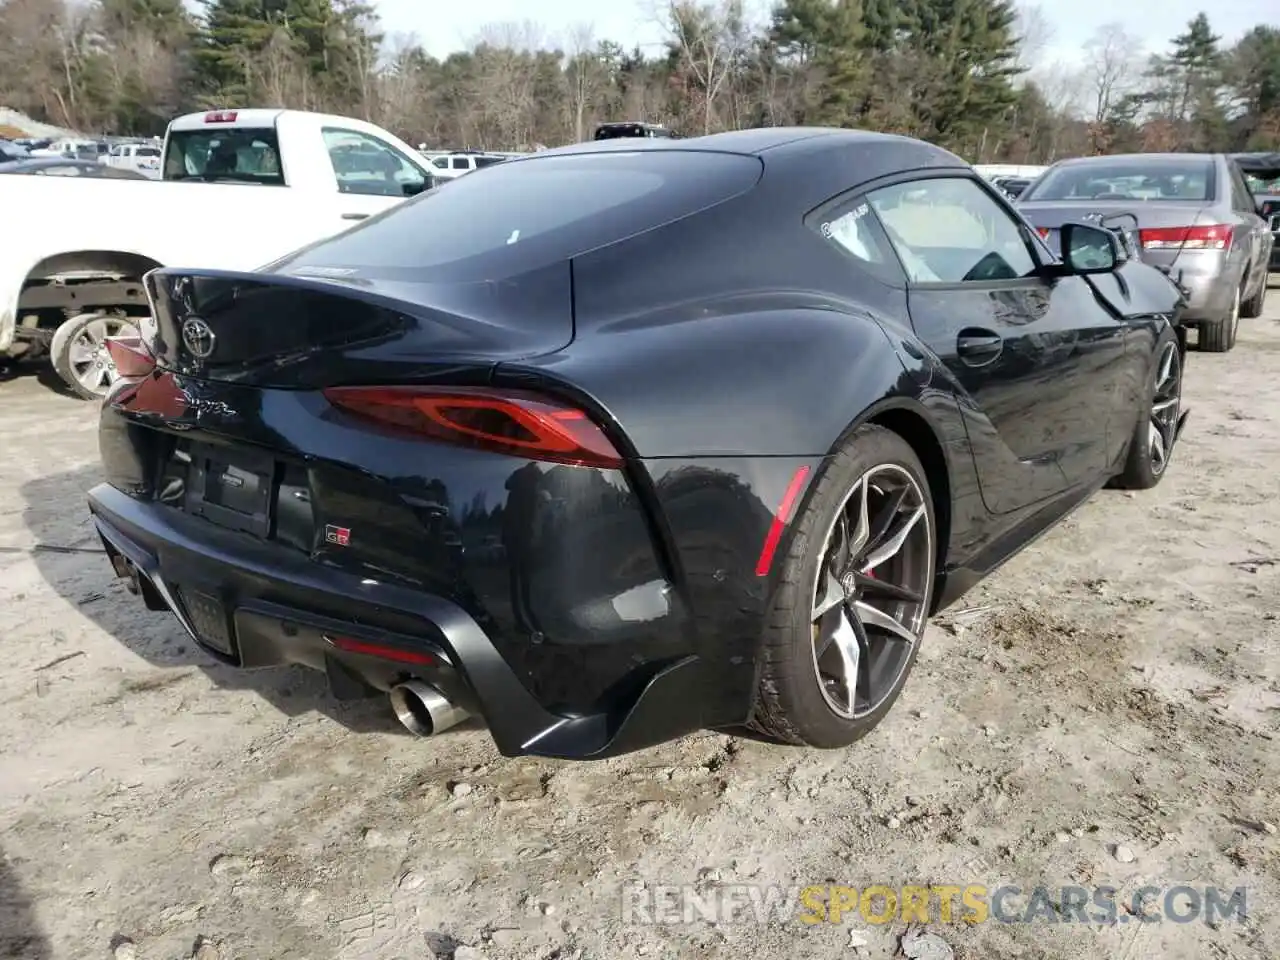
(978, 347)
(355, 216)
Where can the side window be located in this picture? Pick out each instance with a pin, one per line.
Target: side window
(441, 163)
(365, 165)
(854, 229)
(1241, 198)
(461, 163)
(950, 230)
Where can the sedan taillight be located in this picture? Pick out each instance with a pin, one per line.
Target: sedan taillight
(1213, 237)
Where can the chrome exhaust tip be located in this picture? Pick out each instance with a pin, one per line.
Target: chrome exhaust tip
(423, 710)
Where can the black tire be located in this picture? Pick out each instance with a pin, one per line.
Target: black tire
(70, 366)
(791, 705)
(1157, 426)
(1252, 308)
(1219, 336)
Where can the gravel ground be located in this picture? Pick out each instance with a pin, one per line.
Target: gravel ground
(1103, 711)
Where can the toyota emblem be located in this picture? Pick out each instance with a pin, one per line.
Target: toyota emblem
(198, 337)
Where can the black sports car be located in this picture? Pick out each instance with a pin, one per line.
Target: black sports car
(627, 439)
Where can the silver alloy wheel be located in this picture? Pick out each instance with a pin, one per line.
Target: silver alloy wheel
(871, 595)
(1166, 404)
(1235, 314)
(87, 354)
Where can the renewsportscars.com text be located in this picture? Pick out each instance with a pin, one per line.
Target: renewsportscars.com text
(675, 904)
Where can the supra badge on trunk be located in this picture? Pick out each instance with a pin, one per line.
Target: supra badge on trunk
(341, 536)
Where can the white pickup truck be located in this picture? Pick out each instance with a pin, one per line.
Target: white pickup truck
(238, 189)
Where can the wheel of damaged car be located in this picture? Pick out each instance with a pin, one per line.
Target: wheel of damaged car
(79, 352)
(852, 597)
(1151, 447)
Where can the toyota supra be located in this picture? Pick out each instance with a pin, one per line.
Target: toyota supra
(628, 439)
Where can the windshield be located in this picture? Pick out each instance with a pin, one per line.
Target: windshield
(242, 154)
(526, 214)
(1136, 179)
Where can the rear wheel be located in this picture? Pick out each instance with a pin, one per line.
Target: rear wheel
(853, 596)
(1252, 308)
(1157, 431)
(79, 352)
(1219, 336)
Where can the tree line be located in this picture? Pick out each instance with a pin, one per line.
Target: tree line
(961, 73)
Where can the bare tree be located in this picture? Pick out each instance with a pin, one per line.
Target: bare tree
(1111, 60)
(1035, 34)
(585, 76)
(709, 38)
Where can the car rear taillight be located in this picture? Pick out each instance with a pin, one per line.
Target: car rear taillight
(131, 357)
(509, 421)
(221, 116)
(1214, 237)
(1044, 232)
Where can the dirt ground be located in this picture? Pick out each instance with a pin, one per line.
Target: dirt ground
(1115, 686)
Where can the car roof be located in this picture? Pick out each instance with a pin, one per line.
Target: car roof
(750, 142)
(1148, 157)
(820, 162)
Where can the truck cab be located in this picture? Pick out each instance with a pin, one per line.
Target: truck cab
(316, 152)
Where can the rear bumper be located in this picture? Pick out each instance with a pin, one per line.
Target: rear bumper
(278, 608)
(1210, 280)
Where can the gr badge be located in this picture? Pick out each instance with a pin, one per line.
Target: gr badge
(341, 536)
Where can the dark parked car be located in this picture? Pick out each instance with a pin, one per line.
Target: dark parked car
(1262, 174)
(1193, 215)
(1013, 186)
(631, 128)
(11, 152)
(690, 434)
(62, 167)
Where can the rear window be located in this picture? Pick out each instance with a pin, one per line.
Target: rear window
(1136, 179)
(526, 214)
(241, 154)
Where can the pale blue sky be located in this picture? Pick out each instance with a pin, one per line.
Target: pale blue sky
(443, 26)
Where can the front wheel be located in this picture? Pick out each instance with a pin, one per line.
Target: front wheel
(79, 352)
(853, 596)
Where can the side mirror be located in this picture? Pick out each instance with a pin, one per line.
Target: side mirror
(1087, 249)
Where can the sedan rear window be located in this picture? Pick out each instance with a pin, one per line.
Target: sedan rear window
(1136, 179)
(525, 214)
